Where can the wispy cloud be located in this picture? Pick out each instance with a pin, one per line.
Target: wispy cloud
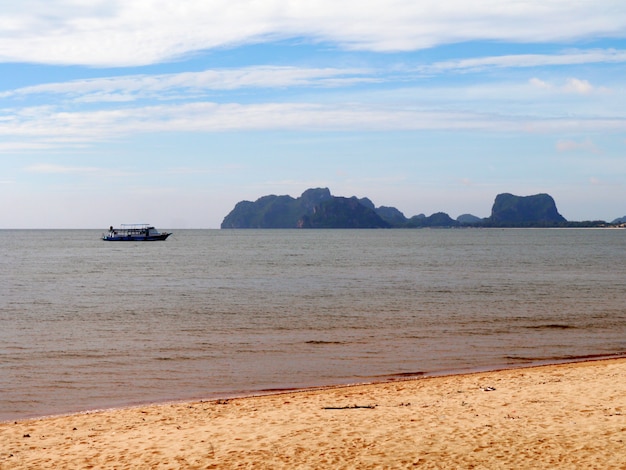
(572, 145)
(58, 169)
(78, 171)
(571, 85)
(168, 86)
(123, 33)
(57, 129)
(173, 86)
(478, 64)
(22, 146)
(576, 85)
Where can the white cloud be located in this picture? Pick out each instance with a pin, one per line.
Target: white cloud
(572, 145)
(92, 172)
(575, 85)
(571, 85)
(46, 127)
(58, 169)
(124, 33)
(188, 84)
(22, 146)
(538, 83)
(528, 60)
(163, 86)
(56, 128)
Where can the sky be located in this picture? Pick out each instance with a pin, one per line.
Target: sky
(169, 112)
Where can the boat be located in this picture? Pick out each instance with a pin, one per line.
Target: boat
(134, 233)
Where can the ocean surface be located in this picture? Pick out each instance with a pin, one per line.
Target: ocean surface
(87, 324)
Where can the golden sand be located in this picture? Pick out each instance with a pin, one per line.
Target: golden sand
(558, 416)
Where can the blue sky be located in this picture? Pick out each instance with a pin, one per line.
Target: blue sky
(170, 112)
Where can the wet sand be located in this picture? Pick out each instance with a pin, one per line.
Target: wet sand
(557, 416)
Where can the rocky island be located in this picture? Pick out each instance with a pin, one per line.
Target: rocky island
(318, 208)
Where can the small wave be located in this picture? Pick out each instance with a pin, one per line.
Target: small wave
(398, 375)
(279, 389)
(551, 326)
(324, 342)
(408, 374)
(177, 358)
(564, 358)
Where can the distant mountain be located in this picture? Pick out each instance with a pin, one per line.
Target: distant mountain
(531, 211)
(468, 219)
(266, 212)
(439, 219)
(341, 212)
(315, 208)
(318, 208)
(621, 220)
(391, 215)
(313, 197)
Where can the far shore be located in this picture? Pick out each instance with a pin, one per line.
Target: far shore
(570, 415)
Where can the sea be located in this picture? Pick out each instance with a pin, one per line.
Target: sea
(87, 324)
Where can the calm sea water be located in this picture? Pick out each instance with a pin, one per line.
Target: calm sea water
(87, 324)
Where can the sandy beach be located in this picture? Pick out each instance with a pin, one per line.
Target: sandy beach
(557, 416)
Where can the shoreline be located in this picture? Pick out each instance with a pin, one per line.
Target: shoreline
(568, 415)
(381, 379)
